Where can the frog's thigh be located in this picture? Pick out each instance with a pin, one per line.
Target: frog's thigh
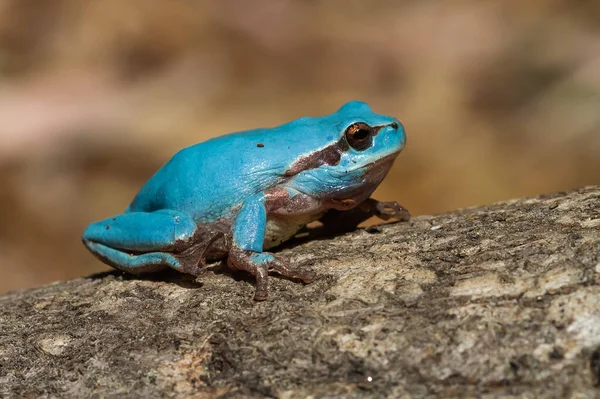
(143, 231)
(150, 236)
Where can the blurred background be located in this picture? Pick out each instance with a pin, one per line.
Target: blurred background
(500, 99)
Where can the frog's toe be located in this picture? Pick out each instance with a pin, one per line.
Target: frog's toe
(282, 267)
(259, 263)
(256, 265)
(261, 295)
(389, 210)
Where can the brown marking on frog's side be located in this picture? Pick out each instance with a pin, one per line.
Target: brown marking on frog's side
(278, 201)
(330, 155)
(276, 198)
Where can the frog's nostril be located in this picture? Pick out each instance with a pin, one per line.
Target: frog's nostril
(394, 125)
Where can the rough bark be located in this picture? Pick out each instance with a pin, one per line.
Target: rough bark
(496, 300)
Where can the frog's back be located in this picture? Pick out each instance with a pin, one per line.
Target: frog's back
(210, 179)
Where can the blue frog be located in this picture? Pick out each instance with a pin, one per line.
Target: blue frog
(238, 195)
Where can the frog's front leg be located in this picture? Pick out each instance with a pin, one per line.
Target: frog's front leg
(138, 242)
(246, 251)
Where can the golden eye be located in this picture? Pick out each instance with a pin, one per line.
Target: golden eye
(359, 135)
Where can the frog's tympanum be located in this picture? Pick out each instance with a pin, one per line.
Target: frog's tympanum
(238, 195)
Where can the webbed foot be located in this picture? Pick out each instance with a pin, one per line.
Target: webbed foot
(259, 264)
(390, 210)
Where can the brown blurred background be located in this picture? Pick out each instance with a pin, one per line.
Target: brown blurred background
(500, 99)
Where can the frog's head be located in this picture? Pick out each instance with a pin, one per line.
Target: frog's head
(361, 149)
(367, 138)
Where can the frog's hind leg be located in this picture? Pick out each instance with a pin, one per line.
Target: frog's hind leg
(139, 242)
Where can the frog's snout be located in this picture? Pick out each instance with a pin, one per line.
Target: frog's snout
(398, 133)
(396, 125)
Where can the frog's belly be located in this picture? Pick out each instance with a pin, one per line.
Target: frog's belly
(280, 228)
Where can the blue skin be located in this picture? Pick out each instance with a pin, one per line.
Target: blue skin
(241, 193)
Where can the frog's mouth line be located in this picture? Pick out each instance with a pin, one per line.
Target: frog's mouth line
(388, 159)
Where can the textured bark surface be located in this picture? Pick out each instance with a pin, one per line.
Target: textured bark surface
(497, 300)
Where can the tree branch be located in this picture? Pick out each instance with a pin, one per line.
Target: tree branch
(502, 299)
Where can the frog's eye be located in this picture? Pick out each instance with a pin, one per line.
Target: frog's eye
(359, 135)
